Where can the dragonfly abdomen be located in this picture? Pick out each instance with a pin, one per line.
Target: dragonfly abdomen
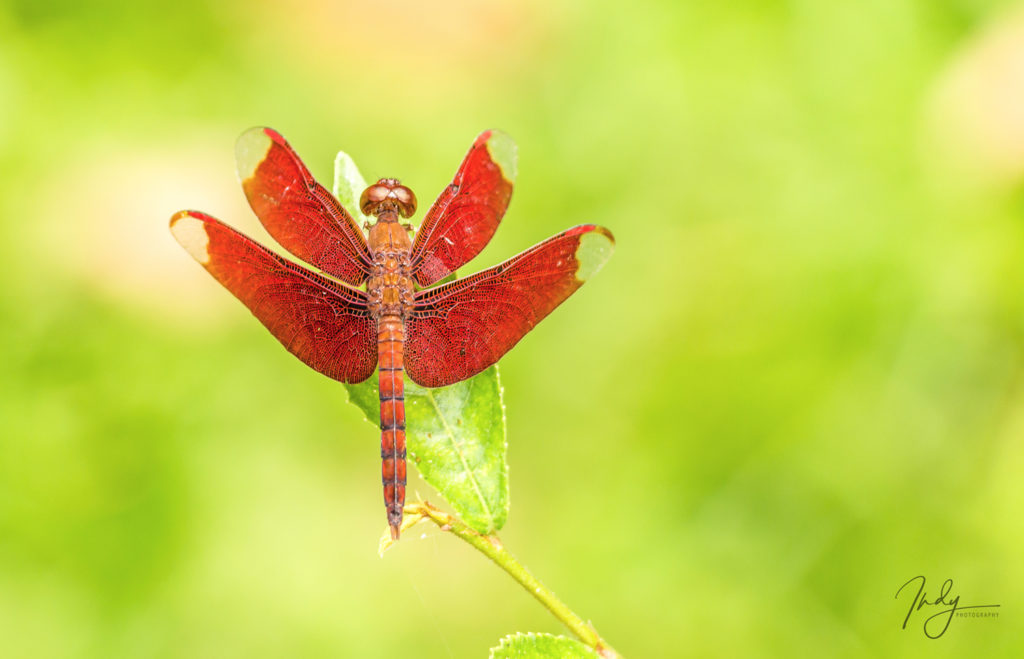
(390, 343)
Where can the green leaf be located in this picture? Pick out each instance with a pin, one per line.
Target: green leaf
(456, 438)
(530, 646)
(348, 185)
(455, 435)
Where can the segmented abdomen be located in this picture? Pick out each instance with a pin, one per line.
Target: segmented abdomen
(390, 342)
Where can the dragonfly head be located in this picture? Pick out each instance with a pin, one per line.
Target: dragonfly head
(387, 194)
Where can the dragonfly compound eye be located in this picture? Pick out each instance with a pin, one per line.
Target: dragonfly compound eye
(388, 190)
(406, 200)
(372, 197)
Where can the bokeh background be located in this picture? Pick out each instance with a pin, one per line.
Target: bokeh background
(798, 383)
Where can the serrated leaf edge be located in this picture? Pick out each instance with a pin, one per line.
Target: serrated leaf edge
(532, 635)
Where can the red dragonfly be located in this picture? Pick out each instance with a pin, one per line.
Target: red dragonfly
(372, 305)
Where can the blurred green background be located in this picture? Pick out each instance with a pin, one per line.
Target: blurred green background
(798, 383)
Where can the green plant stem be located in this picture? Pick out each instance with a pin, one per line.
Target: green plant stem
(491, 546)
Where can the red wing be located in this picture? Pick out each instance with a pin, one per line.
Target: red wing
(297, 211)
(459, 329)
(324, 323)
(465, 216)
